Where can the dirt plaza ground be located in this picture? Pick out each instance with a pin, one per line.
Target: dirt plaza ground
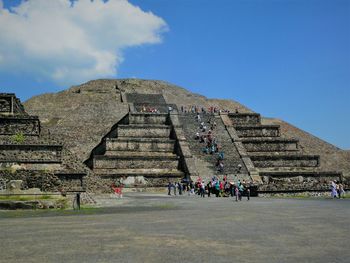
(158, 228)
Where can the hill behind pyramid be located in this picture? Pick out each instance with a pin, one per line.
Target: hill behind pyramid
(82, 115)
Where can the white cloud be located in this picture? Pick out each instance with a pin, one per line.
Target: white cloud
(71, 42)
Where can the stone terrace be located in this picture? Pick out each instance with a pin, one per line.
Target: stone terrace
(28, 155)
(279, 161)
(140, 154)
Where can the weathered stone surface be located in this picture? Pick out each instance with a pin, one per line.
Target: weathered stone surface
(13, 205)
(148, 118)
(144, 131)
(258, 131)
(244, 118)
(270, 145)
(14, 185)
(331, 157)
(10, 105)
(28, 155)
(26, 125)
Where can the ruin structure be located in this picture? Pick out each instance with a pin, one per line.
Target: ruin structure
(29, 154)
(104, 124)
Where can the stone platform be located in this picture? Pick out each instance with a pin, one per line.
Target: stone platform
(277, 160)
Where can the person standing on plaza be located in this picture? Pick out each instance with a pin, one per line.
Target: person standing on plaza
(333, 189)
(180, 188)
(341, 191)
(169, 188)
(175, 187)
(202, 189)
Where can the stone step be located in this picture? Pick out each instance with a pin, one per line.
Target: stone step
(270, 144)
(296, 181)
(139, 172)
(139, 144)
(140, 154)
(308, 173)
(30, 153)
(144, 130)
(258, 131)
(245, 118)
(135, 162)
(23, 124)
(286, 169)
(288, 160)
(148, 118)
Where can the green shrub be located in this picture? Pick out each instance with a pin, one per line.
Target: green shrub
(18, 138)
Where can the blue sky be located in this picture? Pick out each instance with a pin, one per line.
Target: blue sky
(288, 59)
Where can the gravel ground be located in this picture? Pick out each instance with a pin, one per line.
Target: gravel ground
(157, 228)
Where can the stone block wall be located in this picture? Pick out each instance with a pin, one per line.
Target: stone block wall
(133, 144)
(285, 161)
(44, 180)
(143, 131)
(5, 104)
(148, 118)
(33, 179)
(245, 119)
(257, 131)
(296, 182)
(135, 163)
(12, 125)
(10, 105)
(270, 146)
(30, 153)
(138, 98)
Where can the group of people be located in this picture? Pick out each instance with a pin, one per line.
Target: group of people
(180, 188)
(211, 145)
(219, 188)
(337, 190)
(149, 109)
(201, 109)
(223, 188)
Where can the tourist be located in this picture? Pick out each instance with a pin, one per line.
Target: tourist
(341, 192)
(248, 191)
(239, 168)
(209, 187)
(175, 187)
(221, 166)
(334, 193)
(221, 156)
(232, 189)
(236, 193)
(240, 190)
(217, 188)
(169, 188)
(197, 136)
(192, 188)
(201, 189)
(179, 185)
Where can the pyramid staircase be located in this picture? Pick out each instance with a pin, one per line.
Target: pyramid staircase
(140, 153)
(207, 162)
(278, 161)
